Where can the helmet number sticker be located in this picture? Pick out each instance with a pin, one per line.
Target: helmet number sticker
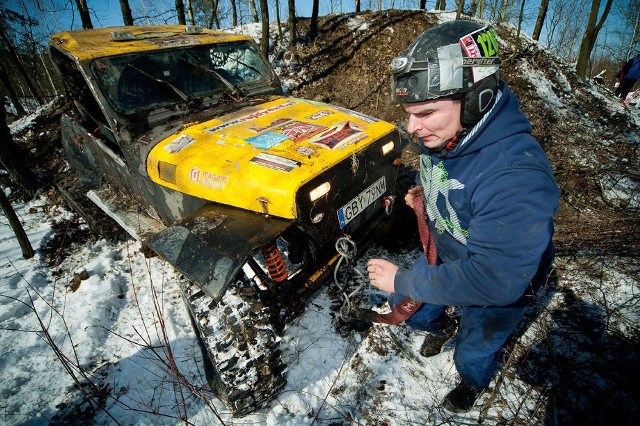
(481, 44)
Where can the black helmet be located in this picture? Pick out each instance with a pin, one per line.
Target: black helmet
(457, 59)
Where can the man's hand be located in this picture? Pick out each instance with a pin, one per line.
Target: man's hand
(412, 193)
(382, 274)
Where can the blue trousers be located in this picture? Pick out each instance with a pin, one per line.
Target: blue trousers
(482, 333)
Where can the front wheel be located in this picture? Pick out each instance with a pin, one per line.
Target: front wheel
(240, 345)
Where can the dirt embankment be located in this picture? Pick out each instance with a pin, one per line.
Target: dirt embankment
(583, 129)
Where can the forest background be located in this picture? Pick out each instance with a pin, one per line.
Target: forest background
(598, 36)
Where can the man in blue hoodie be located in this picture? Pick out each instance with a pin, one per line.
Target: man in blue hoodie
(627, 77)
(489, 194)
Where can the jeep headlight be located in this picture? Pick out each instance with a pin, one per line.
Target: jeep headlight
(319, 191)
(388, 147)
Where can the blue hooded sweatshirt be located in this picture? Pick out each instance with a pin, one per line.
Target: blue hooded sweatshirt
(491, 202)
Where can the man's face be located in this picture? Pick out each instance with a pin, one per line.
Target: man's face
(434, 122)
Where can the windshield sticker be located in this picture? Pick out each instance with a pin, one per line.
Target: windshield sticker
(178, 41)
(266, 140)
(318, 115)
(299, 130)
(179, 143)
(250, 117)
(208, 179)
(339, 136)
(274, 162)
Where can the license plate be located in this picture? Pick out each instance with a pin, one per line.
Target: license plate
(363, 200)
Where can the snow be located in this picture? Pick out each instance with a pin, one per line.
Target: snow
(117, 327)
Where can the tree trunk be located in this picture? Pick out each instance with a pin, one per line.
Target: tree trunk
(127, 18)
(358, 5)
(422, 5)
(280, 36)
(313, 30)
(634, 36)
(192, 19)
(520, 19)
(254, 11)
(542, 14)
(234, 13)
(12, 159)
(264, 40)
(13, 56)
(180, 12)
(4, 78)
(18, 230)
(292, 23)
(459, 7)
(590, 36)
(85, 17)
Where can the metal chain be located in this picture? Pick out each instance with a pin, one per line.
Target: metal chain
(347, 250)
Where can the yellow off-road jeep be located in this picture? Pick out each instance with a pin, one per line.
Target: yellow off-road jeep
(182, 135)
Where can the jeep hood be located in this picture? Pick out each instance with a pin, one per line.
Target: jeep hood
(257, 158)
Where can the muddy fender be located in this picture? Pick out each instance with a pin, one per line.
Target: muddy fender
(211, 245)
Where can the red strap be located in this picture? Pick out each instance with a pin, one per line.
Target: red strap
(402, 311)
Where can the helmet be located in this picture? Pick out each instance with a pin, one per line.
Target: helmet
(457, 59)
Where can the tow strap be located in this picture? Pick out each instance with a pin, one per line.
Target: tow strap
(407, 307)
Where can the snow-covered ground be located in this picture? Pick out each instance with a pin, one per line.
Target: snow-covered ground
(113, 321)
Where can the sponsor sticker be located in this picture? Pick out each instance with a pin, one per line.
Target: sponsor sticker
(339, 136)
(249, 117)
(305, 150)
(208, 179)
(318, 115)
(274, 162)
(179, 143)
(481, 44)
(299, 130)
(266, 140)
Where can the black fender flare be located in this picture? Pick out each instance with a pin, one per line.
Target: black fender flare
(211, 245)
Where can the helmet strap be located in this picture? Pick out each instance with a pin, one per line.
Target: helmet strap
(451, 144)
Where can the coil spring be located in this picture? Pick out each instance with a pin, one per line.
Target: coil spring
(275, 263)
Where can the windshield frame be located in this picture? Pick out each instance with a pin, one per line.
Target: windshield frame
(160, 78)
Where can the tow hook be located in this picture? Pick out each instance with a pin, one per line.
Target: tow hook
(389, 201)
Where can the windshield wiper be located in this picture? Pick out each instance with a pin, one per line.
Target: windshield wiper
(162, 82)
(199, 65)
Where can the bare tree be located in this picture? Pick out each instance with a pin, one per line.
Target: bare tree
(13, 57)
(13, 160)
(127, 17)
(292, 23)
(520, 19)
(422, 5)
(313, 30)
(459, 7)
(542, 14)
(234, 13)
(180, 12)
(264, 40)
(14, 222)
(85, 17)
(6, 82)
(590, 36)
(192, 20)
(254, 10)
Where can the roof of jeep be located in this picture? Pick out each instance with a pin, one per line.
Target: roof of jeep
(97, 43)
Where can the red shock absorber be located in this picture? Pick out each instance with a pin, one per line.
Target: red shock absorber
(275, 263)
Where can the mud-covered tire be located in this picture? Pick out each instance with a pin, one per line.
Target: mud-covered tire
(240, 344)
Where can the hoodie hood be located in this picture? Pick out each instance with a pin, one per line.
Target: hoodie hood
(503, 120)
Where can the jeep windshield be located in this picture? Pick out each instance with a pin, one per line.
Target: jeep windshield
(145, 80)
